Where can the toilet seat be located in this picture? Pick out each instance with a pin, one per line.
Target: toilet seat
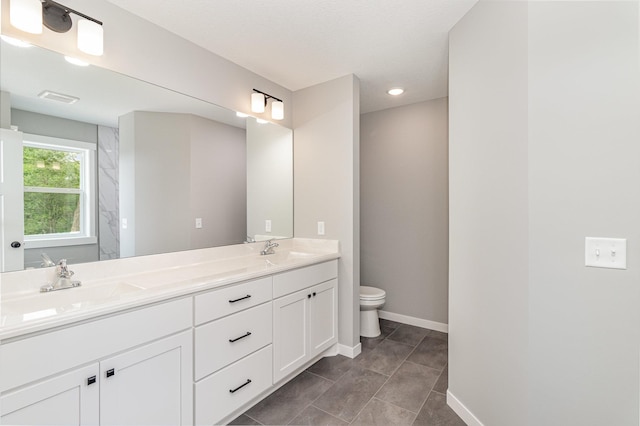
(371, 293)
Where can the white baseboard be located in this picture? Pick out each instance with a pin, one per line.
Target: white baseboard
(349, 351)
(462, 411)
(418, 322)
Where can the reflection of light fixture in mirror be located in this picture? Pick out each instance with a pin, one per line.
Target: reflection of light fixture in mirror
(241, 114)
(30, 15)
(75, 61)
(26, 15)
(259, 102)
(14, 41)
(261, 121)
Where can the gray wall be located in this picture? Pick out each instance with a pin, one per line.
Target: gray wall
(269, 179)
(173, 169)
(404, 208)
(544, 106)
(326, 175)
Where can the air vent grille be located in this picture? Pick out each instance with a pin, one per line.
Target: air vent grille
(58, 97)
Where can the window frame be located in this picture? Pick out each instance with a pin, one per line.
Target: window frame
(87, 191)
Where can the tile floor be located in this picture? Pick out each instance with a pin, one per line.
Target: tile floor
(399, 379)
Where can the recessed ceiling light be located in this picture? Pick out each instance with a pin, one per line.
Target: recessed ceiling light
(395, 91)
(14, 41)
(75, 61)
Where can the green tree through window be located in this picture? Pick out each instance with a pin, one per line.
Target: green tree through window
(52, 191)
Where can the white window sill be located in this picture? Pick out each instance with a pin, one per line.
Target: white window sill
(59, 242)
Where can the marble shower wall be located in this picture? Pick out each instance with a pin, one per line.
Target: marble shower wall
(108, 213)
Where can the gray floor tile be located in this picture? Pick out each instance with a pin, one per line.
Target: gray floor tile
(313, 416)
(332, 367)
(438, 335)
(389, 323)
(382, 413)
(409, 386)
(443, 382)
(348, 395)
(408, 334)
(244, 420)
(286, 403)
(385, 358)
(431, 352)
(369, 343)
(436, 412)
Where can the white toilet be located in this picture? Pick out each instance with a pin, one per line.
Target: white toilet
(371, 299)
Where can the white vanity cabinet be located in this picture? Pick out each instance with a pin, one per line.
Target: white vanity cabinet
(304, 316)
(71, 398)
(131, 368)
(233, 355)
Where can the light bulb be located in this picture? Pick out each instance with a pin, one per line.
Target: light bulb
(277, 110)
(257, 102)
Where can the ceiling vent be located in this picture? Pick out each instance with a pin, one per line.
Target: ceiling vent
(59, 97)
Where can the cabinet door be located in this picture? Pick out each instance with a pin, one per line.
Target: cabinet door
(150, 385)
(67, 399)
(290, 333)
(323, 317)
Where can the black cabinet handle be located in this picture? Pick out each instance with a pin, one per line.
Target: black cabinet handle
(111, 372)
(241, 337)
(16, 244)
(240, 387)
(242, 298)
(91, 380)
(314, 294)
(308, 296)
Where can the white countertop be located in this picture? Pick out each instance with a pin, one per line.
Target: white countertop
(116, 285)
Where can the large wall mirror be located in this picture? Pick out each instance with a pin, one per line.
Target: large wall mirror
(116, 167)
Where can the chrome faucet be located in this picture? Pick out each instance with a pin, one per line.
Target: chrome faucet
(64, 278)
(269, 245)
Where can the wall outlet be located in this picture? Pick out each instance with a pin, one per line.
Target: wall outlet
(198, 222)
(267, 225)
(605, 252)
(320, 228)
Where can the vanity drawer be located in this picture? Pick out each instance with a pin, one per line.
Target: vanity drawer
(290, 282)
(219, 303)
(250, 330)
(220, 394)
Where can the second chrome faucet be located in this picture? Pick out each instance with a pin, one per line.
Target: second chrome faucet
(268, 247)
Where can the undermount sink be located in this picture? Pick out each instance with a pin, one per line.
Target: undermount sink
(42, 305)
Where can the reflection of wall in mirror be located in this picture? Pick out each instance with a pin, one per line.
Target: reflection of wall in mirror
(269, 180)
(172, 171)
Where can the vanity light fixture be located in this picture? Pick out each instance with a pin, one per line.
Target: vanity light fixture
(31, 15)
(395, 91)
(259, 102)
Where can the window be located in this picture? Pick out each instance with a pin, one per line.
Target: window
(59, 201)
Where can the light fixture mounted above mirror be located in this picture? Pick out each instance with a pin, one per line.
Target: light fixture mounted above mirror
(259, 101)
(30, 15)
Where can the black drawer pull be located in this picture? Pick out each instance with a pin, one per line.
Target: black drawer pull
(314, 294)
(111, 372)
(308, 296)
(241, 337)
(91, 380)
(240, 387)
(242, 298)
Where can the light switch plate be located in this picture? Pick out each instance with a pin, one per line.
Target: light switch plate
(198, 222)
(267, 225)
(605, 252)
(320, 228)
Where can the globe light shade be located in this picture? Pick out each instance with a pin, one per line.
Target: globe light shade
(90, 37)
(26, 15)
(257, 102)
(277, 110)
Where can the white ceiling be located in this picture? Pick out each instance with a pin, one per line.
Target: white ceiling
(299, 43)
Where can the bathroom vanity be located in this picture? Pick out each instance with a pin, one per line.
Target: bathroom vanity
(194, 343)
